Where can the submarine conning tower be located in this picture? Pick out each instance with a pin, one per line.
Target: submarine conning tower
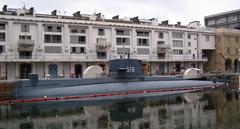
(125, 68)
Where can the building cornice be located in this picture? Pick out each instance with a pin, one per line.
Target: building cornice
(100, 23)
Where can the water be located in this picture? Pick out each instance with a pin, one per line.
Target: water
(217, 109)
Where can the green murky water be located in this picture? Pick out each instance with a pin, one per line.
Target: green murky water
(210, 110)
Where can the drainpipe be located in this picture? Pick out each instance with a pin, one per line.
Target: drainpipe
(6, 71)
(197, 51)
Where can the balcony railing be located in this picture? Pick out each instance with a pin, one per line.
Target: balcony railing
(71, 58)
(166, 46)
(25, 42)
(101, 46)
(25, 45)
(25, 57)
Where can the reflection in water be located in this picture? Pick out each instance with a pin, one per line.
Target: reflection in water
(215, 110)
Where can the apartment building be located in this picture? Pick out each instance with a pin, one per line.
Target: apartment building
(226, 56)
(229, 19)
(55, 45)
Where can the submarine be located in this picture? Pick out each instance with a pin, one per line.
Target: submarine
(125, 81)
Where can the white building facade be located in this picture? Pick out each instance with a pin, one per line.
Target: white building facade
(63, 46)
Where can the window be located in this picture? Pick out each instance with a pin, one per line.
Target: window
(74, 31)
(143, 42)
(53, 49)
(228, 50)
(2, 37)
(82, 39)
(122, 32)
(232, 18)
(123, 50)
(236, 39)
(221, 20)
(142, 51)
(2, 48)
(236, 51)
(189, 44)
(53, 28)
(82, 31)
(143, 33)
(177, 35)
(160, 42)
(47, 38)
(177, 52)
(77, 39)
(56, 38)
(101, 32)
(160, 35)
(59, 29)
(101, 40)
(25, 28)
(52, 38)
(207, 37)
(2, 26)
(78, 50)
(189, 36)
(188, 51)
(79, 124)
(77, 29)
(212, 22)
(101, 55)
(49, 28)
(177, 43)
(123, 41)
(27, 37)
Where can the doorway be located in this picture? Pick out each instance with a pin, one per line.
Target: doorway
(78, 70)
(52, 70)
(25, 69)
(178, 67)
(161, 69)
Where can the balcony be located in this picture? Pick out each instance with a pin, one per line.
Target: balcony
(162, 48)
(165, 46)
(25, 45)
(101, 45)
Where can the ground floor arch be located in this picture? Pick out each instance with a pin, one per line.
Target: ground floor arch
(236, 65)
(228, 64)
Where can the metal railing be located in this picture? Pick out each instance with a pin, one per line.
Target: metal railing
(26, 42)
(75, 57)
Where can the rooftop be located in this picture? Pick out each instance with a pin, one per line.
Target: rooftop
(89, 17)
(224, 13)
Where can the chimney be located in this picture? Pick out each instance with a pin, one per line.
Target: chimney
(4, 8)
(152, 19)
(115, 17)
(178, 23)
(31, 11)
(98, 16)
(165, 22)
(54, 12)
(77, 14)
(135, 20)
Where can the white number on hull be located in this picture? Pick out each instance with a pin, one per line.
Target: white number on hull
(130, 69)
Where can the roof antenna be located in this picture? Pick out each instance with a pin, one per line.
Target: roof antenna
(24, 6)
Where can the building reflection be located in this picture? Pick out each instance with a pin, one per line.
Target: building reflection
(215, 110)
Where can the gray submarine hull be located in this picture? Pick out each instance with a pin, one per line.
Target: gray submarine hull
(119, 90)
(126, 80)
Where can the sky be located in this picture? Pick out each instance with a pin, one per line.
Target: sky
(184, 11)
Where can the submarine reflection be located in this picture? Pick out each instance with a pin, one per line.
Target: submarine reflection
(217, 110)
